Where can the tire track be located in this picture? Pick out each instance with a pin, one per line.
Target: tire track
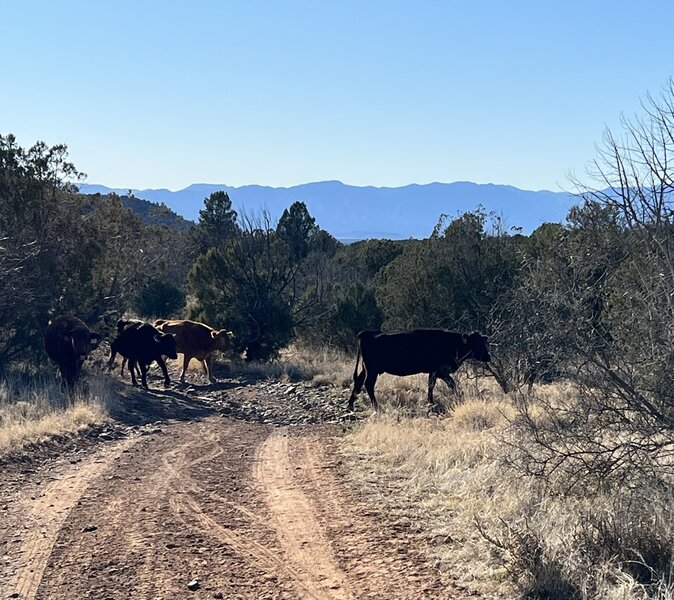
(184, 504)
(249, 511)
(48, 513)
(305, 546)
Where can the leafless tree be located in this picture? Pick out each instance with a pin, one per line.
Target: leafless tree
(603, 303)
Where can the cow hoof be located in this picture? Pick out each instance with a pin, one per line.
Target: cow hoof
(167, 383)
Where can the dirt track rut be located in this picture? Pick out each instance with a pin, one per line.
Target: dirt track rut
(249, 510)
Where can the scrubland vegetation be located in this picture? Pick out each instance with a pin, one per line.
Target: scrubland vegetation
(560, 489)
(498, 530)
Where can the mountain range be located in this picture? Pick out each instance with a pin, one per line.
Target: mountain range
(351, 212)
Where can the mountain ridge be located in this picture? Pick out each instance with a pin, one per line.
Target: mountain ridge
(396, 212)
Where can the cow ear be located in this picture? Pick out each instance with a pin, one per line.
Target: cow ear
(465, 338)
(214, 334)
(158, 337)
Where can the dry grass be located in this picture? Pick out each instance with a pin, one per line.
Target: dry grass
(35, 409)
(499, 532)
(297, 363)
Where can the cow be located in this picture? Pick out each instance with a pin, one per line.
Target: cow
(121, 325)
(68, 342)
(437, 352)
(196, 340)
(143, 344)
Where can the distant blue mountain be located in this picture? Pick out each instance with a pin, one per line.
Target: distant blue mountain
(350, 212)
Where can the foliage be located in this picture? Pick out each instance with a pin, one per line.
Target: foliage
(243, 284)
(351, 310)
(63, 252)
(600, 303)
(156, 214)
(344, 279)
(217, 220)
(451, 280)
(160, 298)
(297, 228)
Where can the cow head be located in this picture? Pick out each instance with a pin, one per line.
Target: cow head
(477, 345)
(123, 324)
(79, 342)
(222, 340)
(167, 344)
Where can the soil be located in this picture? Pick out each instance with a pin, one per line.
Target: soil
(234, 490)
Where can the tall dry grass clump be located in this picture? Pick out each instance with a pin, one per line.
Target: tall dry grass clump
(36, 408)
(321, 366)
(501, 531)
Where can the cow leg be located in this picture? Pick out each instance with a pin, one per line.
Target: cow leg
(123, 363)
(451, 384)
(68, 377)
(449, 381)
(143, 374)
(370, 380)
(443, 374)
(132, 370)
(164, 370)
(358, 381)
(207, 369)
(432, 378)
(433, 406)
(186, 362)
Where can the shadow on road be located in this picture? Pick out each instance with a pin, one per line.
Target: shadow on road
(136, 406)
(139, 407)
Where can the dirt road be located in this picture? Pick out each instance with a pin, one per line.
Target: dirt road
(249, 510)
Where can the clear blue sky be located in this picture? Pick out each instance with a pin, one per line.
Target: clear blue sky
(386, 93)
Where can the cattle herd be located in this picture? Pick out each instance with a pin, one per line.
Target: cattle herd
(68, 341)
(438, 352)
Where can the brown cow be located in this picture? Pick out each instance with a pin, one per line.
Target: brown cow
(196, 340)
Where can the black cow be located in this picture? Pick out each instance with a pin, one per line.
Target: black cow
(122, 324)
(68, 342)
(143, 344)
(434, 351)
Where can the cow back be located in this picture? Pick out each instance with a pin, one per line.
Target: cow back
(144, 343)
(413, 351)
(192, 338)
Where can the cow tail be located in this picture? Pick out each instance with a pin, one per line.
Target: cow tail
(355, 370)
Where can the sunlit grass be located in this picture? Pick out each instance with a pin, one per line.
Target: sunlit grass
(35, 409)
(499, 532)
